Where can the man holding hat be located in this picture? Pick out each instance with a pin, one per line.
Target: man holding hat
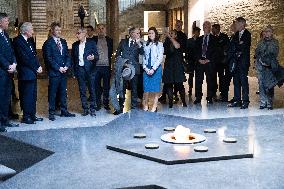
(130, 49)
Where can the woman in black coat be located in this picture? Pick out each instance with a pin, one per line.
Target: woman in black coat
(173, 73)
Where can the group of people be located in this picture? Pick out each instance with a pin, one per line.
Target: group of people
(139, 65)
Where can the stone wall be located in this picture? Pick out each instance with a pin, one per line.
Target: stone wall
(135, 16)
(258, 13)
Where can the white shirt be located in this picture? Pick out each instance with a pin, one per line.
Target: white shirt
(56, 41)
(81, 53)
(129, 42)
(241, 33)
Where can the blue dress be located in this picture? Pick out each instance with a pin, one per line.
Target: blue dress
(152, 83)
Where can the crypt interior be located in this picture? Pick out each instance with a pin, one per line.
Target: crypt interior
(101, 152)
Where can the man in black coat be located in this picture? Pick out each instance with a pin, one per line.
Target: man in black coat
(103, 66)
(130, 49)
(191, 58)
(58, 61)
(206, 56)
(28, 68)
(84, 57)
(7, 66)
(242, 41)
(222, 68)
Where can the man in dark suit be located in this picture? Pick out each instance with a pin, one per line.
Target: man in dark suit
(28, 68)
(58, 62)
(191, 58)
(7, 66)
(84, 56)
(130, 49)
(206, 57)
(242, 41)
(103, 66)
(222, 68)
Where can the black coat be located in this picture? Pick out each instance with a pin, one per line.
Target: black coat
(173, 66)
(243, 48)
(28, 62)
(90, 48)
(7, 56)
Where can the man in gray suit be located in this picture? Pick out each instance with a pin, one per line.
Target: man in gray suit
(130, 49)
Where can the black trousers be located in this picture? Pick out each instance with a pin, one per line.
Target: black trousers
(223, 74)
(57, 86)
(102, 76)
(208, 70)
(5, 95)
(86, 80)
(133, 84)
(28, 97)
(170, 91)
(241, 86)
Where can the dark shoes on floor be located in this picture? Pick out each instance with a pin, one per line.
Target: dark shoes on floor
(197, 101)
(51, 117)
(235, 104)
(67, 114)
(3, 130)
(85, 113)
(117, 112)
(162, 99)
(11, 125)
(245, 105)
(38, 118)
(28, 121)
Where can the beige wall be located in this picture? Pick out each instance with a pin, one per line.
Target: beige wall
(258, 13)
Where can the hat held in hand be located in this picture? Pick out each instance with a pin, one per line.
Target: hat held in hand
(128, 72)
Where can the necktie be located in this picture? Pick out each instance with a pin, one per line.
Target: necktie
(204, 46)
(59, 45)
(3, 35)
(131, 43)
(149, 61)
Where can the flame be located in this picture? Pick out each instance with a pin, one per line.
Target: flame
(181, 133)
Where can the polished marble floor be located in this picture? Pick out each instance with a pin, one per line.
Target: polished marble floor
(81, 160)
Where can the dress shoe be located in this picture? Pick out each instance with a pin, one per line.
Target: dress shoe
(93, 113)
(67, 114)
(162, 99)
(270, 108)
(209, 101)
(232, 100)
(97, 108)
(235, 104)
(14, 116)
(197, 101)
(28, 121)
(184, 105)
(38, 119)
(107, 107)
(51, 117)
(11, 125)
(117, 112)
(3, 130)
(244, 105)
(262, 107)
(85, 113)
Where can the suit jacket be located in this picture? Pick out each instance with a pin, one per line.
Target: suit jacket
(243, 48)
(222, 48)
(109, 46)
(28, 62)
(7, 56)
(53, 57)
(211, 49)
(90, 48)
(132, 54)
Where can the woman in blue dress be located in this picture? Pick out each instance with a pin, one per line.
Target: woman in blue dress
(152, 65)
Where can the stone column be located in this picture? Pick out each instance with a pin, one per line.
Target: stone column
(112, 20)
(186, 17)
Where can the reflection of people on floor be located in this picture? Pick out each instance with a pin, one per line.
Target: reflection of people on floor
(81, 14)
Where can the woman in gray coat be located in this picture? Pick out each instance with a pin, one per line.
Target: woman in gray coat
(266, 64)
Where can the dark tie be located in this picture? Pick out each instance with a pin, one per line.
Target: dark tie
(131, 43)
(149, 61)
(3, 35)
(59, 45)
(204, 46)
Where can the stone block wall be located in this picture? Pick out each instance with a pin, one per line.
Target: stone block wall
(258, 13)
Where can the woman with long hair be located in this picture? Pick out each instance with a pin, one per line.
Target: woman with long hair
(152, 76)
